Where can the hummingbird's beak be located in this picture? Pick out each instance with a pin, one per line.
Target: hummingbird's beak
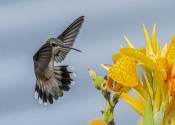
(72, 48)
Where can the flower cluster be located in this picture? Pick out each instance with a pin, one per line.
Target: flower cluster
(150, 73)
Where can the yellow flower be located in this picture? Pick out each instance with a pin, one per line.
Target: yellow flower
(124, 72)
(159, 83)
(170, 52)
(97, 122)
(156, 90)
(171, 67)
(157, 87)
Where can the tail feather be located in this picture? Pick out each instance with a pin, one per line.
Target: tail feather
(46, 91)
(44, 97)
(50, 99)
(65, 87)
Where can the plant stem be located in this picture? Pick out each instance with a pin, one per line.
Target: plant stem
(111, 123)
(108, 113)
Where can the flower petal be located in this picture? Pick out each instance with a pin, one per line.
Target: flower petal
(109, 84)
(171, 85)
(140, 122)
(173, 70)
(162, 65)
(124, 72)
(154, 41)
(149, 48)
(97, 122)
(116, 57)
(171, 51)
(128, 42)
(133, 103)
(140, 57)
(140, 97)
(164, 50)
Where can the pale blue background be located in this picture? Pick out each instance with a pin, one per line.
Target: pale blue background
(25, 26)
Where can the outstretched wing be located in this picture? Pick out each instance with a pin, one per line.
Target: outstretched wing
(42, 58)
(68, 38)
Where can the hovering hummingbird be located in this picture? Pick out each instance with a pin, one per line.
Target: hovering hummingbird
(52, 80)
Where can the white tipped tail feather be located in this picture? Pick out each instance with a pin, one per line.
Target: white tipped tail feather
(71, 68)
(52, 89)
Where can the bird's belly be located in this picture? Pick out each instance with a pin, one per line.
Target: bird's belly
(48, 72)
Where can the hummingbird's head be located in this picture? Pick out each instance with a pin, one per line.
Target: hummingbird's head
(55, 43)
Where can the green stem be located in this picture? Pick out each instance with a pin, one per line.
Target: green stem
(108, 113)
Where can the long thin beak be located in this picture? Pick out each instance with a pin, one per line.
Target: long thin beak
(72, 48)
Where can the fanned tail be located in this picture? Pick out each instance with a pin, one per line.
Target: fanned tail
(46, 91)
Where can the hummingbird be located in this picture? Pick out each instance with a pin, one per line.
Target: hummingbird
(52, 80)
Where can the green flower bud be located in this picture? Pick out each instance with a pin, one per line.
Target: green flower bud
(97, 80)
(108, 116)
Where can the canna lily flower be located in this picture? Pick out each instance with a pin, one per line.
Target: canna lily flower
(156, 91)
(123, 76)
(155, 88)
(158, 64)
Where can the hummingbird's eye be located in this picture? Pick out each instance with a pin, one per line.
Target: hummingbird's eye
(54, 45)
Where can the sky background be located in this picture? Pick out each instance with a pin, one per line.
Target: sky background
(26, 25)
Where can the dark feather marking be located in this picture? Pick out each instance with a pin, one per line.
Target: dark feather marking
(65, 81)
(71, 36)
(44, 53)
(63, 66)
(36, 88)
(45, 49)
(45, 97)
(64, 75)
(40, 93)
(74, 31)
(65, 87)
(50, 99)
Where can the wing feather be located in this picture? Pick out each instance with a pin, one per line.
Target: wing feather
(42, 58)
(68, 38)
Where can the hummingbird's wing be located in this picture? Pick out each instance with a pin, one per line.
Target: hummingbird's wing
(68, 38)
(42, 58)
